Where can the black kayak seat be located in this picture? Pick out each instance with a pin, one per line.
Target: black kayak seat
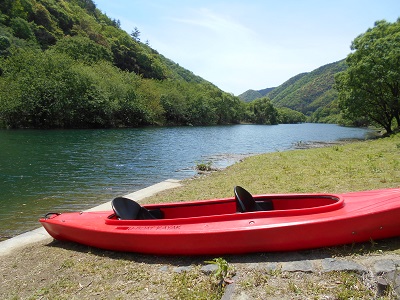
(128, 209)
(246, 203)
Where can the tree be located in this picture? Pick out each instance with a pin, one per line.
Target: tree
(4, 44)
(82, 48)
(262, 111)
(136, 34)
(51, 90)
(290, 116)
(17, 9)
(175, 106)
(89, 5)
(42, 16)
(370, 87)
(21, 28)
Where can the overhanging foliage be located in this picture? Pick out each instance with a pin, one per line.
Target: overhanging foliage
(369, 90)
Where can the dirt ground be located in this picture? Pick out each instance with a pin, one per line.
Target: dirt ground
(57, 270)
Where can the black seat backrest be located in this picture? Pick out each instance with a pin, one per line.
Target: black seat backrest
(246, 203)
(244, 200)
(127, 209)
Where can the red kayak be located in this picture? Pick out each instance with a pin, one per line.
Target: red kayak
(239, 224)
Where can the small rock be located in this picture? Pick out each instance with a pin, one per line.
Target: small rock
(383, 287)
(209, 269)
(385, 266)
(331, 264)
(163, 269)
(273, 266)
(387, 281)
(298, 266)
(229, 290)
(255, 266)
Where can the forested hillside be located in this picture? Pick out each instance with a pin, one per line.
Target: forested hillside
(307, 92)
(251, 95)
(310, 93)
(65, 64)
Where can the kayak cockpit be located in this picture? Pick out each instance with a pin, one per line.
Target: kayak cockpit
(238, 207)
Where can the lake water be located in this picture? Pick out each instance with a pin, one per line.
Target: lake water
(67, 170)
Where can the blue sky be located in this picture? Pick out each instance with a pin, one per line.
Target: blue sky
(252, 44)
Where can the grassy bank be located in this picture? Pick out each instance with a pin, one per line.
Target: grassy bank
(56, 270)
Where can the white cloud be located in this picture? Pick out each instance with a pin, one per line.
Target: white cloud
(217, 23)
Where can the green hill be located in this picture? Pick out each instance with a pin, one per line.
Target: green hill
(46, 23)
(307, 92)
(251, 95)
(65, 64)
(266, 91)
(310, 93)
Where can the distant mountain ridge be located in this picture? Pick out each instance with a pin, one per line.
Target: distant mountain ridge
(308, 92)
(251, 95)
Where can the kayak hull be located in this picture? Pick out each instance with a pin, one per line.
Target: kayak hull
(214, 227)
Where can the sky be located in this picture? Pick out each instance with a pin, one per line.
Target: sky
(250, 44)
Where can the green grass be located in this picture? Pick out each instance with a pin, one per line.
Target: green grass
(194, 285)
